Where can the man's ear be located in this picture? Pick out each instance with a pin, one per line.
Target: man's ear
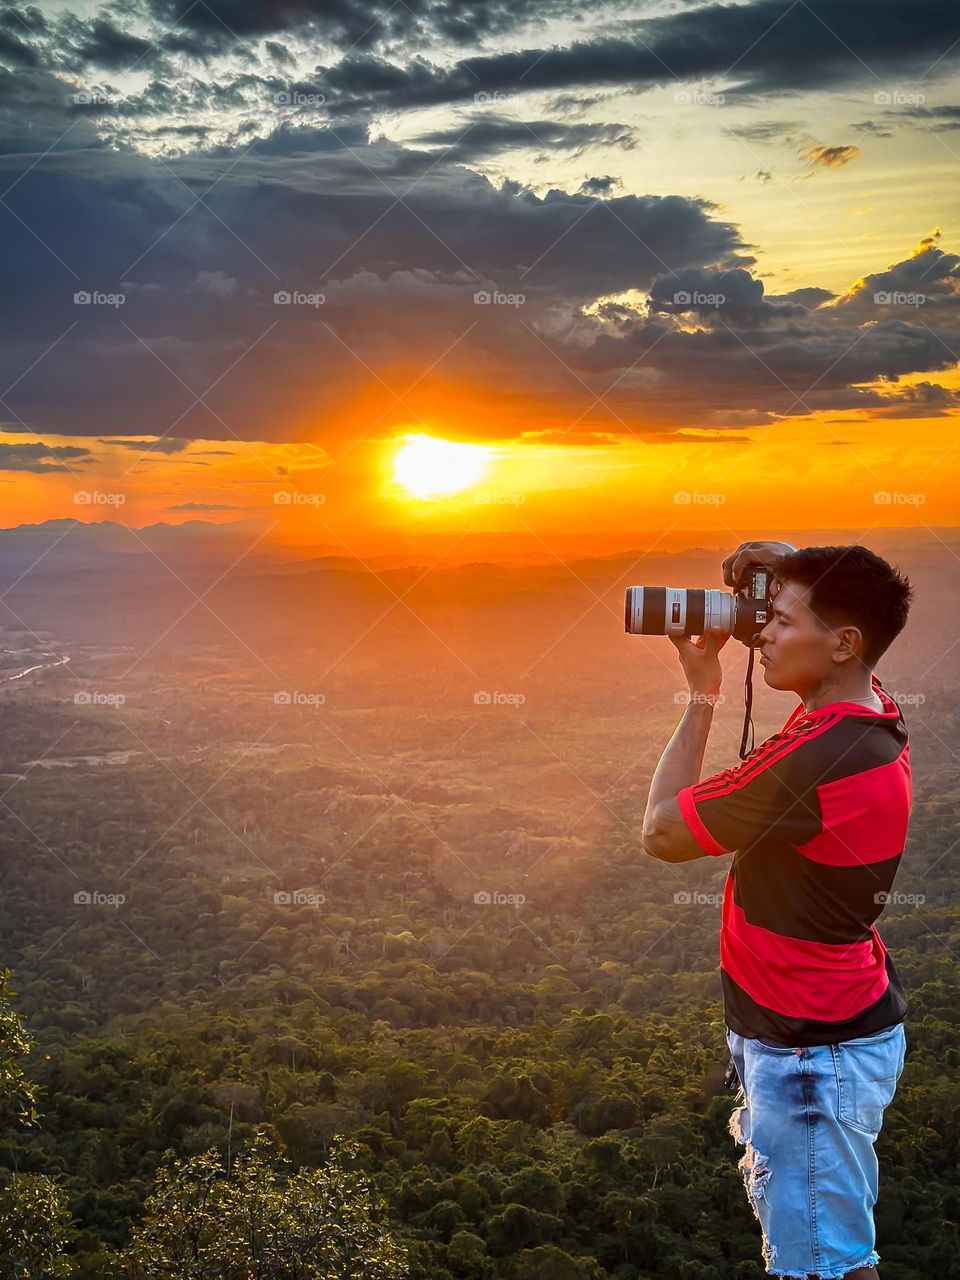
(850, 644)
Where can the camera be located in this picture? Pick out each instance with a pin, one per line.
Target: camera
(690, 611)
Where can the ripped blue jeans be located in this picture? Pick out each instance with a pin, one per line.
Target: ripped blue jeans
(809, 1118)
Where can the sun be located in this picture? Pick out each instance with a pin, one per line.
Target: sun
(427, 466)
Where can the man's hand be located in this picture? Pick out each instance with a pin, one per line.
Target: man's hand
(701, 662)
(768, 554)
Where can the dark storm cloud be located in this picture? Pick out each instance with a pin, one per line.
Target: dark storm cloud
(489, 137)
(107, 46)
(809, 297)
(604, 186)
(735, 296)
(17, 28)
(766, 47)
(360, 24)
(927, 284)
(14, 51)
(394, 245)
(37, 111)
(26, 19)
(795, 368)
(925, 399)
(40, 458)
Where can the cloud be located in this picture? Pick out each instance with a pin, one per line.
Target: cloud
(203, 506)
(600, 186)
(569, 437)
(397, 245)
(486, 137)
(13, 50)
(735, 295)
(765, 131)
(368, 59)
(217, 283)
(870, 126)
(393, 243)
(40, 458)
(924, 400)
(766, 47)
(104, 45)
(168, 444)
(940, 119)
(927, 284)
(831, 157)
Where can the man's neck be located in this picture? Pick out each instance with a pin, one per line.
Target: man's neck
(844, 690)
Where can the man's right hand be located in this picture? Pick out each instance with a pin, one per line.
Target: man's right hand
(768, 554)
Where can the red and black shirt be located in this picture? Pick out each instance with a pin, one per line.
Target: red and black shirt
(816, 817)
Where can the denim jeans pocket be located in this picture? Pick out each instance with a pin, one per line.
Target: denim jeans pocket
(771, 1046)
(867, 1070)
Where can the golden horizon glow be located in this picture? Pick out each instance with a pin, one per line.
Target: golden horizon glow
(427, 466)
(575, 489)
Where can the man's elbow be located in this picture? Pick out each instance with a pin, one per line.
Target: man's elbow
(656, 844)
(668, 839)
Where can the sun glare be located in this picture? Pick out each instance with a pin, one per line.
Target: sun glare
(426, 466)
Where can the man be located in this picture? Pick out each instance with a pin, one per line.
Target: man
(816, 818)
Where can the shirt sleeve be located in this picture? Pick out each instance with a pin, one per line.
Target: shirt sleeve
(762, 796)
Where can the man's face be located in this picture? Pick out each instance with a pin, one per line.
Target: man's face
(795, 647)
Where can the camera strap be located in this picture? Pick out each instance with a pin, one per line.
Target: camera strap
(747, 707)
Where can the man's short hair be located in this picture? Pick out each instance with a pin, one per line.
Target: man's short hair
(851, 586)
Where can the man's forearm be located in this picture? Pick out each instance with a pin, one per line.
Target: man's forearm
(682, 757)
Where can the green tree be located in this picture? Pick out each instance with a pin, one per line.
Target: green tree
(33, 1217)
(263, 1219)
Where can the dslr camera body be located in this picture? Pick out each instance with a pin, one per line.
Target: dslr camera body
(689, 611)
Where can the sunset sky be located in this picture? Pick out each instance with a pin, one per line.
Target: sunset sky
(669, 265)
